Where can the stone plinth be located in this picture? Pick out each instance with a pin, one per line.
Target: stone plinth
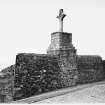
(60, 41)
(61, 46)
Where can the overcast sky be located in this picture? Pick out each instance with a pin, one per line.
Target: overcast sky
(26, 25)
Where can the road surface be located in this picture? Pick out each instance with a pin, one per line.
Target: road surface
(92, 94)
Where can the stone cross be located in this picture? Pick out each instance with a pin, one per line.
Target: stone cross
(61, 17)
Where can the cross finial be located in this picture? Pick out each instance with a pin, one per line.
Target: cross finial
(61, 17)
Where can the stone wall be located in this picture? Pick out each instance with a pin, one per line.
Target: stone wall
(68, 67)
(39, 73)
(36, 74)
(6, 87)
(90, 69)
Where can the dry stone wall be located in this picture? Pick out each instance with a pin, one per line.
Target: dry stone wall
(36, 74)
(39, 73)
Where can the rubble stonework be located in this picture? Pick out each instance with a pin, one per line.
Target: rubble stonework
(36, 74)
(6, 87)
(39, 73)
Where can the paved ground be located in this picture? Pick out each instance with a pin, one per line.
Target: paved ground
(92, 94)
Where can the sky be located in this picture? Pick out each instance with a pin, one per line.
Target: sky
(26, 26)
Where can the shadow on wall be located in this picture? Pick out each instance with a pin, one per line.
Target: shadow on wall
(91, 69)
